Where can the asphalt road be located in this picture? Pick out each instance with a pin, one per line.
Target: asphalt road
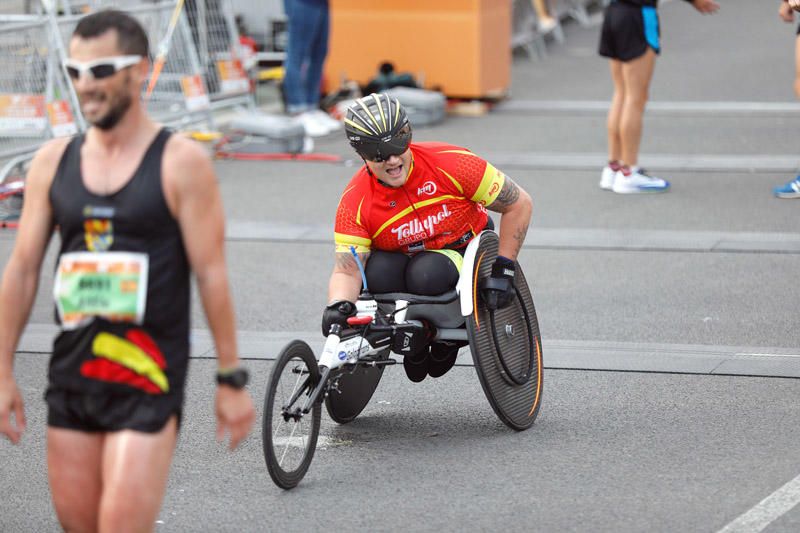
(669, 324)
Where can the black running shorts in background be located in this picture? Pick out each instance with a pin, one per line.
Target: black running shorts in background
(628, 30)
(148, 413)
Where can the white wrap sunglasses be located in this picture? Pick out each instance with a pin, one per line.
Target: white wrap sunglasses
(100, 68)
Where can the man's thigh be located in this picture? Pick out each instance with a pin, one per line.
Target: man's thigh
(74, 469)
(135, 468)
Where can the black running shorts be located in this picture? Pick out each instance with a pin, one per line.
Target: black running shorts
(147, 413)
(628, 30)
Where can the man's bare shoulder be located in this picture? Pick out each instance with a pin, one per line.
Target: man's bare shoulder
(187, 170)
(185, 156)
(45, 161)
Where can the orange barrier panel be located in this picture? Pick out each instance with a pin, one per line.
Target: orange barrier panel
(460, 46)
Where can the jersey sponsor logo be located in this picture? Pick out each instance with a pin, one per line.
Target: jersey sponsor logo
(428, 188)
(414, 230)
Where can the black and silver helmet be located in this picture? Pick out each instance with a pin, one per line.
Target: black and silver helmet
(377, 127)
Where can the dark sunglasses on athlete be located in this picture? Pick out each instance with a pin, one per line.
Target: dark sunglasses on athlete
(381, 151)
(100, 68)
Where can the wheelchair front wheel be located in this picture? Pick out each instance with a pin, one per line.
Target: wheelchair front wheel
(289, 436)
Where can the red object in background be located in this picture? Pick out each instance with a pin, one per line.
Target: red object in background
(249, 42)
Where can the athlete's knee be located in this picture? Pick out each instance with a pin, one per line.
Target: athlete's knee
(432, 273)
(75, 518)
(385, 272)
(131, 512)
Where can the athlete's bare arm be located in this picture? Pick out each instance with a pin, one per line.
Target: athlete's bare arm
(705, 6)
(193, 197)
(345, 282)
(794, 4)
(785, 12)
(21, 279)
(515, 205)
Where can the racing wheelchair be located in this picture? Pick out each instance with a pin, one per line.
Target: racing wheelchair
(505, 345)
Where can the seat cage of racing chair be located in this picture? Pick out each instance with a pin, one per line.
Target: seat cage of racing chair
(442, 311)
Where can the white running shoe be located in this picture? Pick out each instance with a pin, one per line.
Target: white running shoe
(637, 182)
(607, 178)
(312, 125)
(328, 121)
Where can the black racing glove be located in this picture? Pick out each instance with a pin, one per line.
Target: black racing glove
(498, 289)
(337, 313)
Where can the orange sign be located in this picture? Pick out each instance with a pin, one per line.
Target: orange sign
(233, 77)
(194, 92)
(62, 122)
(22, 114)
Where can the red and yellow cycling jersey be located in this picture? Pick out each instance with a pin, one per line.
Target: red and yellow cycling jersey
(441, 204)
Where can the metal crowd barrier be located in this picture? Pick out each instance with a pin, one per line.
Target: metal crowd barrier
(225, 61)
(178, 96)
(526, 32)
(36, 102)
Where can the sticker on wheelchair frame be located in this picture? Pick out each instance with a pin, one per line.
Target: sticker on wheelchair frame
(407, 341)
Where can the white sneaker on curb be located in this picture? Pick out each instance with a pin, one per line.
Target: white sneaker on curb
(637, 182)
(312, 125)
(328, 121)
(607, 178)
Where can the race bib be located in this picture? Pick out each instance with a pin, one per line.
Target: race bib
(111, 285)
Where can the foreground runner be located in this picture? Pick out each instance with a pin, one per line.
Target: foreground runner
(137, 209)
(410, 212)
(791, 189)
(630, 39)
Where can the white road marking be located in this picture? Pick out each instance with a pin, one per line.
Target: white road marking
(768, 510)
(656, 107)
(299, 442)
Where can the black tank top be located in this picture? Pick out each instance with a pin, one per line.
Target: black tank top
(109, 355)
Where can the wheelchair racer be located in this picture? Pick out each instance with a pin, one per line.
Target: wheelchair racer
(410, 212)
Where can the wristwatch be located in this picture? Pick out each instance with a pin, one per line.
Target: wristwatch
(236, 378)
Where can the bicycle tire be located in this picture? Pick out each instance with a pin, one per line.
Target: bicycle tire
(296, 358)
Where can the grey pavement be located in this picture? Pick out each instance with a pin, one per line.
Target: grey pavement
(669, 322)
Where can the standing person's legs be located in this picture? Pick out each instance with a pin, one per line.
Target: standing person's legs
(298, 76)
(297, 50)
(615, 111)
(109, 481)
(613, 126)
(797, 64)
(318, 50)
(792, 189)
(636, 76)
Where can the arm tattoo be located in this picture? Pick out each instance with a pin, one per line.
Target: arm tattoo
(509, 194)
(346, 263)
(519, 235)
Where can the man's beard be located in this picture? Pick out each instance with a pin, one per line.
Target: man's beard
(115, 114)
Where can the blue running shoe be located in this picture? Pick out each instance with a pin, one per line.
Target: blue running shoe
(790, 190)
